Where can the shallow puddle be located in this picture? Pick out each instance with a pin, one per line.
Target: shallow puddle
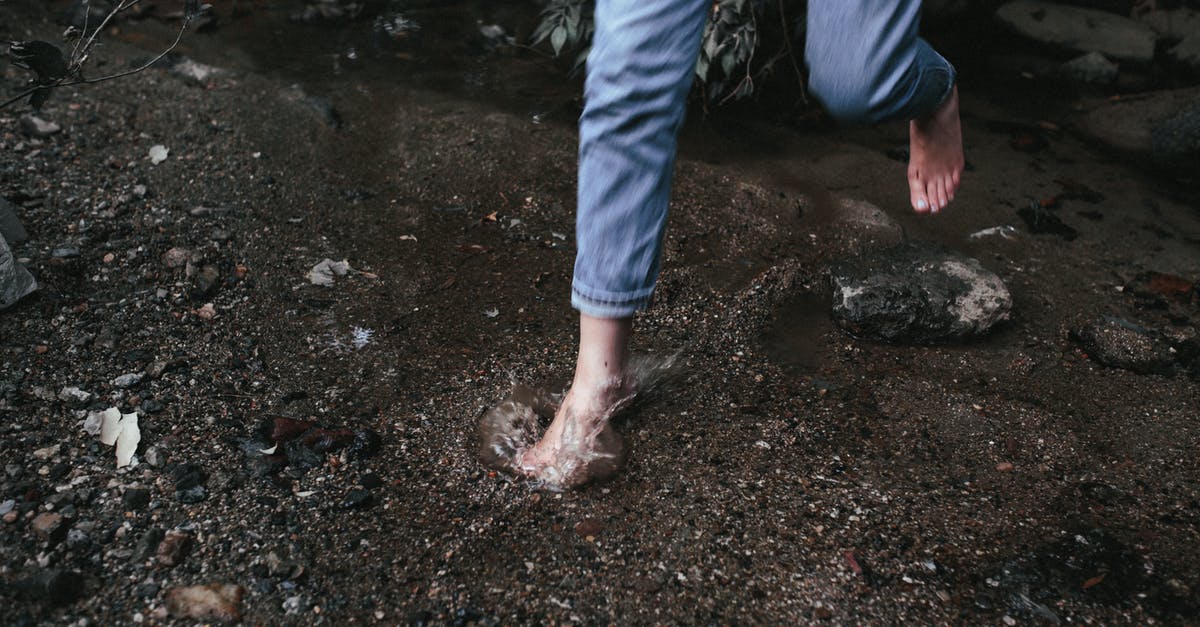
(511, 428)
(802, 335)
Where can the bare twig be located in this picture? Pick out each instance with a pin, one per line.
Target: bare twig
(78, 59)
(787, 39)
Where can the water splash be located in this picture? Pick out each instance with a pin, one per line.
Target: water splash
(588, 450)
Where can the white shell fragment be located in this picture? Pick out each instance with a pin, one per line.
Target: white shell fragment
(117, 429)
(323, 272)
(127, 441)
(158, 154)
(110, 425)
(268, 451)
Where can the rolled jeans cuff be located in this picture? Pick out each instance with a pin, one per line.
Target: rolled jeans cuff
(601, 304)
(935, 79)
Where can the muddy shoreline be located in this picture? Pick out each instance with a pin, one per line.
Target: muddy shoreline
(790, 474)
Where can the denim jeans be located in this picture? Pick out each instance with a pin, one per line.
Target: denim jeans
(866, 64)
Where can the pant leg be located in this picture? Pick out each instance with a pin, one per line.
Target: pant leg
(867, 64)
(638, 75)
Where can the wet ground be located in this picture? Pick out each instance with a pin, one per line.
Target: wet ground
(788, 473)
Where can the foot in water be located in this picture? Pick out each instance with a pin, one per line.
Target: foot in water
(935, 157)
(580, 445)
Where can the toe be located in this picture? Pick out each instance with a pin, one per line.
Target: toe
(950, 187)
(917, 195)
(942, 201)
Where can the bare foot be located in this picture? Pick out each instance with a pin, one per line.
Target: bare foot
(580, 444)
(935, 162)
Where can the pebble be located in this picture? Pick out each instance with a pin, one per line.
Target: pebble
(47, 452)
(34, 126)
(173, 548)
(72, 394)
(214, 601)
(127, 380)
(135, 499)
(357, 499)
(50, 526)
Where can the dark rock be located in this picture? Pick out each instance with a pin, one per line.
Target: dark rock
(173, 548)
(189, 483)
(50, 526)
(370, 481)
(207, 280)
(1119, 343)
(365, 444)
(1079, 29)
(1177, 137)
(147, 545)
(135, 499)
(917, 294)
(55, 587)
(15, 281)
(357, 499)
(1043, 221)
(10, 227)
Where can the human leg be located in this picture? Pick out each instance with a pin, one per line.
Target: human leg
(639, 72)
(868, 64)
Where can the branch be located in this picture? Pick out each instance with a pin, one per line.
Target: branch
(77, 64)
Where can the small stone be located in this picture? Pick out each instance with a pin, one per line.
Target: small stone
(10, 517)
(589, 528)
(357, 499)
(127, 380)
(1092, 67)
(72, 394)
(135, 499)
(7, 506)
(173, 548)
(178, 257)
(50, 526)
(47, 452)
(34, 126)
(211, 601)
(64, 252)
(206, 312)
(1004, 467)
(207, 280)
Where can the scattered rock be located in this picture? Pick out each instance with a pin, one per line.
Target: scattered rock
(1128, 124)
(127, 380)
(206, 602)
(357, 499)
(158, 153)
(1092, 67)
(11, 228)
(135, 499)
(918, 294)
(324, 272)
(15, 281)
(1178, 137)
(1079, 29)
(179, 257)
(1119, 343)
(194, 72)
(173, 548)
(50, 526)
(1173, 23)
(589, 528)
(34, 126)
(72, 394)
(54, 587)
(189, 483)
(47, 452)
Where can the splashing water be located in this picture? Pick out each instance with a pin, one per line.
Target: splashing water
(588, 450)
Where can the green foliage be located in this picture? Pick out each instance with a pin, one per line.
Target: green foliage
(568, 25)
(727, 49)
(723, 68)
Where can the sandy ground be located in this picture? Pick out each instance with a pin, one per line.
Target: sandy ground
(789, 473)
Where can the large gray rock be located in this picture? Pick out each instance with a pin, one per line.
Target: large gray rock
(1092, 67)
(1082, 30)
(917, 294)
(1129, 124)
(15, 280)
(10, 227)
(1119, 343)
(1173, 23)
(1178, 137)
(1187, 52)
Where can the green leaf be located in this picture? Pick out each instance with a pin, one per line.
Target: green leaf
(558, 38)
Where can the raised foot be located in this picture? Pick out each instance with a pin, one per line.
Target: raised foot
(936, 157)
